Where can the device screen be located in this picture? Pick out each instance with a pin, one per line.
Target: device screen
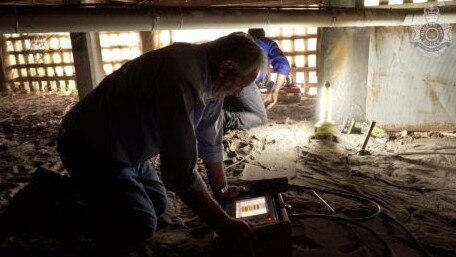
(251, 207)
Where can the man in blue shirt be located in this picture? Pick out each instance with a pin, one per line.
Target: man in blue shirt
(165, 102)
(249, 109)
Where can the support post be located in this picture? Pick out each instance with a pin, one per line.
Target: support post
(3, 78)
(87, 61)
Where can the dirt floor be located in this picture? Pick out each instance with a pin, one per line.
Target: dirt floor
(412, 177)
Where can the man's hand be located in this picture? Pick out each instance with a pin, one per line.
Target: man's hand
(272, 97)
(229, 193)
(243, 239)
(217, 180)
(271, 100)
(236, 233)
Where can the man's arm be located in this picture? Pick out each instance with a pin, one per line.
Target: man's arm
(217, 180)
(281, 66)
(178, 158)
(216, 174)
(233, 230)
(272, 97)
(202, 203)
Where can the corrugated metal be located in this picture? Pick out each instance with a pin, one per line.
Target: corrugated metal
(407, 90)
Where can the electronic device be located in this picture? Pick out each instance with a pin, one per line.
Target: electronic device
(264, 210)
(256, 211)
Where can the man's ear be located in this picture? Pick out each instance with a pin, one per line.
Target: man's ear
(226, 68)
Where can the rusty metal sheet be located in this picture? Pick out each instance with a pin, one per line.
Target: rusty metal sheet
(407, 90)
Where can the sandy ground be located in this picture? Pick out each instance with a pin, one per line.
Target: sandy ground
(412, 177)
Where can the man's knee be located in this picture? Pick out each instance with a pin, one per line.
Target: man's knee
(137, 227)
(255, 119)
(148, 227)
(160, 204)
(263, 118)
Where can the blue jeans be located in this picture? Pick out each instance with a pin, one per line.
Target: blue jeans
(122, 202)
(244, 111)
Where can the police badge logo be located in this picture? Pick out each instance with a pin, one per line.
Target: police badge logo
(433, 37)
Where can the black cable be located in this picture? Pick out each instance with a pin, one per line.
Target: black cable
(353, 220)
(346, 195)
(409, 234)
(331, 217)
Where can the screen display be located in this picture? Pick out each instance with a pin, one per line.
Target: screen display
(251, 207)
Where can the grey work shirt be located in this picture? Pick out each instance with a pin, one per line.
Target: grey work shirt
(159, 103)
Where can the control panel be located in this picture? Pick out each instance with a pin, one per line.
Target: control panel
(264, 210)
(256, 211)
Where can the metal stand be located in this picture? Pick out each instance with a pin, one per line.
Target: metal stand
(363, 150)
